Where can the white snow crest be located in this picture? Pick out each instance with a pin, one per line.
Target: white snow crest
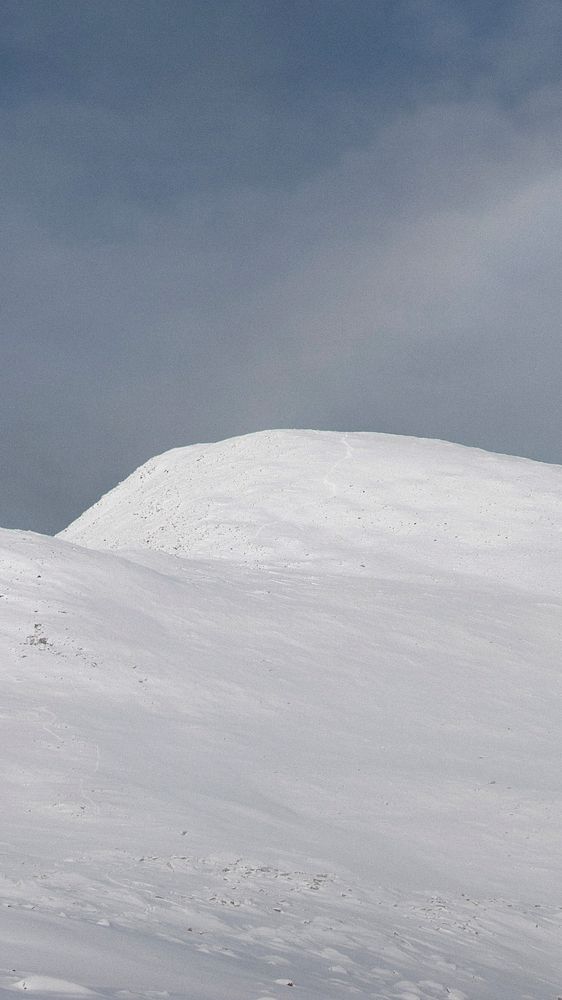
(355, 503)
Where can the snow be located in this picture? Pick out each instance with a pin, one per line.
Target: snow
(257, 743)
(364, 503)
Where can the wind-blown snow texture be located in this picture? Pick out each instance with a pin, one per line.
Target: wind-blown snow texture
(324, 750)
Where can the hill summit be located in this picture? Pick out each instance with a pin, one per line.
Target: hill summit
(354, 502)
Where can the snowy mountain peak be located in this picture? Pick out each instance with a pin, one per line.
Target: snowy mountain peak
(359, 502)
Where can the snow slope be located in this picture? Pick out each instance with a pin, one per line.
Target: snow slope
(223, 776)
(365, 503)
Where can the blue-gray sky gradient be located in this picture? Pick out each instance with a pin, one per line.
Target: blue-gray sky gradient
(225, 215)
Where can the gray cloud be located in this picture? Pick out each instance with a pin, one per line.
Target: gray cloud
(215, 223)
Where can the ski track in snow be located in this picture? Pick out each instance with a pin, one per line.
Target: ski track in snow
(347, 457)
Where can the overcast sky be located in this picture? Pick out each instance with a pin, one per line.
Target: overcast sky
(220, 216)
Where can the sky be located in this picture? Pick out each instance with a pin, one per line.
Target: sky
(221, 216)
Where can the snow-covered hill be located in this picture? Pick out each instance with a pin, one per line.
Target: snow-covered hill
(270, 767)
(365, 503)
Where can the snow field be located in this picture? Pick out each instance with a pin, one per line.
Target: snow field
(246, 769)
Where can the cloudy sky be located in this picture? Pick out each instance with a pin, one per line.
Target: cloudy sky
(220, 216)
